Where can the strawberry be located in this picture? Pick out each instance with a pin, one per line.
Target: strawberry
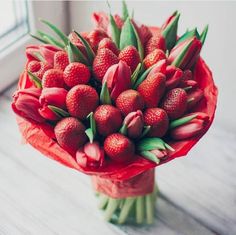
(108, 119)
(70, 133)
(158, 120)
(38, 68)
(95, 36)
(109, 44)
(155, 42)
(76, 73)
(61, 60)
(131, 56)
(175, 103)
(104, 59)
(154, 57)
(81, 100)
(119, 148)
(152, 89)
(129, 101)
(53, 78)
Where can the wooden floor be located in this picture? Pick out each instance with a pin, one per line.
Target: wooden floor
(39, 196)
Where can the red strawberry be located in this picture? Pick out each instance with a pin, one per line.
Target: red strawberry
(152, 89)
(53, 78)
(158, 120)
(108, 119)
(104, 59)
(109, 44)
(175, 103)
(129, 101)
(61, 60)
(81, 100)
(95, 36)
(76, 73)
(155, 42)
(119, 148)
(70, 133)
(38, 68)
(131, 56)
(154, 57)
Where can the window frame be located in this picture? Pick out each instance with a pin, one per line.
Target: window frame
(12, 59)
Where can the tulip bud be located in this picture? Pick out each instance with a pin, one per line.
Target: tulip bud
(52, 96)
(118, 79)
(192, 128)
(160, 154)
(169, 30)
(185, 54)
(134, 124)
(173, 76)
(91, 156)
(194, 97)
(26, 104)
(47, 51)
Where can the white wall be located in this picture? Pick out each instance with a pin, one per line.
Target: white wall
(219, 48)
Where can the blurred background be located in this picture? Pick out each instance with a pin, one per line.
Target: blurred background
(198, 192)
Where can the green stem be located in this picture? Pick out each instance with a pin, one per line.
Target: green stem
(103, 200)
(111, 208)
(149, 208)
(140, 210)
(125, 210)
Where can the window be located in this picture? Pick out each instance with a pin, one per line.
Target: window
(17, 19)
(14, 22)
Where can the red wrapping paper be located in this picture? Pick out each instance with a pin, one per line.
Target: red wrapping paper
(138, 185)
(41, 136)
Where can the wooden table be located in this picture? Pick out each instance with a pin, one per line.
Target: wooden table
(39, 196)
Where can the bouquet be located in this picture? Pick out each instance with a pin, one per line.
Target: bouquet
(115, 103)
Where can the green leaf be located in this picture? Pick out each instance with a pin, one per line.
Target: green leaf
(143, 77)
(60, 34)
(92, 122)
(150, 144)
(38, 38)
(123, 130)
(181, 121)
(115, 31)
(170, 32)
(139, 43)
(127, 36)
(89, 133)
(135, 74)
(150, 156)
(58, 111)
(51, 40)
(88, 48)
(180, 58)
(75, 55)
(35, 79)
(104, 95)
(125, 11)
(203, 35)
(188, 34)
(146, 129)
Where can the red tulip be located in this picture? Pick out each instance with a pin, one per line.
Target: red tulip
(26, 104)
(52, 96)
(192, 128)
(173, 76)
(159, 67)
(160, 154)
(185, 54)
(118, 79)
(134, 124)
(91, 155)
(194, 97)
(47, 51)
